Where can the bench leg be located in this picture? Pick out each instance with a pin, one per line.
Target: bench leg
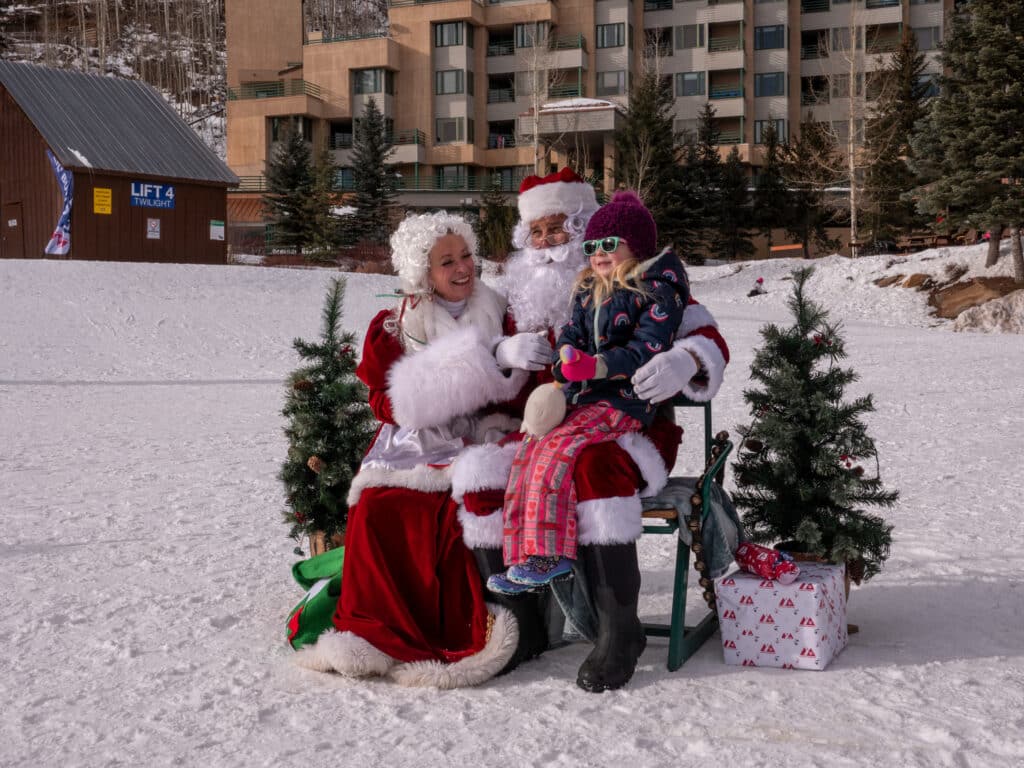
(678, 616)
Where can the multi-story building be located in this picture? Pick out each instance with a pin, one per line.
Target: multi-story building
(477, 90)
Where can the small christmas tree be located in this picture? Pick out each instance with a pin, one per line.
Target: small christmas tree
(329, 427)
(799, 474)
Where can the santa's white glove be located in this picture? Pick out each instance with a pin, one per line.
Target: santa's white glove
(664, 375)
(528, 351)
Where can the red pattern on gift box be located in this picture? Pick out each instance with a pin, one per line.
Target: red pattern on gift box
(797, 626)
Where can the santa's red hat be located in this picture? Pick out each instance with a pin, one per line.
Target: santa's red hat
(562, 192)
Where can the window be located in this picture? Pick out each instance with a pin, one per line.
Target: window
(922, 2)
(448, 81)
(451, 177)
(766, 38)
(367, 81)
(611, 83)
(469, 35)
(928, 38)
(841, 130)
(690, 84)
(526, 35)
(761, 125)
(841, 38)
(770, 84)
(449, 129)
(611, 35)
(281, 127)
(658, 40)
(841, 86)
(690, 36)
(343, 179)
(448, 33)
(929, 81)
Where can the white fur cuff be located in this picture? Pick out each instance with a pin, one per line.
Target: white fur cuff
(711, 361)
(482, 530)
(646, 457)
(482, 468)
(615, 520)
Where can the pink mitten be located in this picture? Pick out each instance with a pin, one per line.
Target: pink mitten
(767, 563)
(576, 365)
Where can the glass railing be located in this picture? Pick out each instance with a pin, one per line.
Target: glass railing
(500, 141)
(813, 6)
(345, 38)
(734, 91)
(411, 136)
(566, 90)
(269, 89)
(719, 44)
(814, 51)
(502, 48)
(567, 42)
(500, 95)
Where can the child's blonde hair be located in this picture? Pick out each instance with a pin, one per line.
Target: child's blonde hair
(624, 275)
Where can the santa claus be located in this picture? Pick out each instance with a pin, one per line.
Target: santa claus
(609, 478)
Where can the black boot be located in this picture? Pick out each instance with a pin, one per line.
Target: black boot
(613, 576)
(529, 608)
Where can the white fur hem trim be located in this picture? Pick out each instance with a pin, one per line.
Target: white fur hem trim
(481, 468)
(482, 530)
(616, 520)
(346, 653)
(454, 375)
(472, 670)
(421, 478)
(696, 316)
(711, 361)
(645, 455)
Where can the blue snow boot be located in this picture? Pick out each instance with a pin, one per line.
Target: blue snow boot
(539, 571)
(502, 585)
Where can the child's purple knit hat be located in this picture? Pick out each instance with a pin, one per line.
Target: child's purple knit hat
(626, 216)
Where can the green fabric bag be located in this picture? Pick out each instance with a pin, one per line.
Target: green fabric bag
(320, 576)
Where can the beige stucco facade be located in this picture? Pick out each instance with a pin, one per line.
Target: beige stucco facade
(453, 77)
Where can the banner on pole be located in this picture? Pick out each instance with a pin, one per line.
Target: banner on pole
(60, 240)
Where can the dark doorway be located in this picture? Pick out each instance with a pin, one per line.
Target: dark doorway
(12, 239)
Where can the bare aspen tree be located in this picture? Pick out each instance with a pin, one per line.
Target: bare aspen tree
(538, 77)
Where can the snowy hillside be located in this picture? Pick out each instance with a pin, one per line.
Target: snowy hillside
(147, 579)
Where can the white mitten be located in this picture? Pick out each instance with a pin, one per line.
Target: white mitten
(664, 375)
(527, 351)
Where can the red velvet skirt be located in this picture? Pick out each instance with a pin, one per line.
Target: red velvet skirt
(410, 586)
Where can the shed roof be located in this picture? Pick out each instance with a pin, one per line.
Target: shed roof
(110, 124)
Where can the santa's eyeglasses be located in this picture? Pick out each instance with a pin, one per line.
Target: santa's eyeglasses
(607, 244)
(551, 237)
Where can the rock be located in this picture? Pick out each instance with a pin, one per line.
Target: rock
(916, 280)
(951, 300)
(885, 282)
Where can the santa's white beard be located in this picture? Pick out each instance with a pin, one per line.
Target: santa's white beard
(540, 281)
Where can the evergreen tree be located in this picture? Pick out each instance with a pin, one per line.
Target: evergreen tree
(289, 184)
(325, 235)
(707, 170)
(770, 196)
(798, 475)
(887, 143)
(648, 148)
(374, 183)
(969, 153)
(495, 223)
(807, 178)
(687, 207)
(329, 426)
(733, 232)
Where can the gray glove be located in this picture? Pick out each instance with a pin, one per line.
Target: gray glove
(664, 375)
(527, 351)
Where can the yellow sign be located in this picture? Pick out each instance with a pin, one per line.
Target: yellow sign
(101, 200)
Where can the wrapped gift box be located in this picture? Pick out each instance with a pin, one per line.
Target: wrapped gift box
(797, 626)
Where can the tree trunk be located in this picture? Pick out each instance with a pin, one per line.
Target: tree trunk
(1018, 256)
(996, 234)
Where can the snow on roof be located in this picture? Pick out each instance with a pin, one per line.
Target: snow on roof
(579, 103)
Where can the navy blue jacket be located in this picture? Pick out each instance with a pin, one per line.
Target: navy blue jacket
(626, 330)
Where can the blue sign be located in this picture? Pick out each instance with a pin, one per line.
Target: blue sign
(60, 240)
(146, 195)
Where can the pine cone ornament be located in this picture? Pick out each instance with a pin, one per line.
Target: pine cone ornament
(302, 385)
(316, 464)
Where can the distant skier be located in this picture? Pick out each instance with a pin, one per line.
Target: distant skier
(758, 288)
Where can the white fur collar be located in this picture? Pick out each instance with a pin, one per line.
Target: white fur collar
(423, 320)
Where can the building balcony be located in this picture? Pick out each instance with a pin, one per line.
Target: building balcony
(407, 147)
(556, 121)
(568, 52)
(272, 89)
(250, 184)
(501, 48)
(722, 44)
(500, 141)
(501, 95)
(566, 90)
(317, 38)
(657, 5)
(814, 6)
(733, 91)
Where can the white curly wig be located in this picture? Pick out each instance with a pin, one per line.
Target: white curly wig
(415, 236)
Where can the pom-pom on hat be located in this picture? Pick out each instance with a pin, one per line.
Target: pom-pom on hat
(626, 216)
(412, 241)
(562, 192)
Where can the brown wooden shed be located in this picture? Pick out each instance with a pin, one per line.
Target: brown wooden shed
(96, 167)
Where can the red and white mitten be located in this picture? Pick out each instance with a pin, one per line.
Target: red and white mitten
(767, 563)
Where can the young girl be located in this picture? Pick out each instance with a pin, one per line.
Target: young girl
(627, 307)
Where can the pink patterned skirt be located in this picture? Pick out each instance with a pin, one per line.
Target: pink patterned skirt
(540, 501)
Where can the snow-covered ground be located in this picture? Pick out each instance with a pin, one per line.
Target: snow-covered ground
(145, 572)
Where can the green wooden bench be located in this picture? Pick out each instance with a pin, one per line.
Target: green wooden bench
(663, 516)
